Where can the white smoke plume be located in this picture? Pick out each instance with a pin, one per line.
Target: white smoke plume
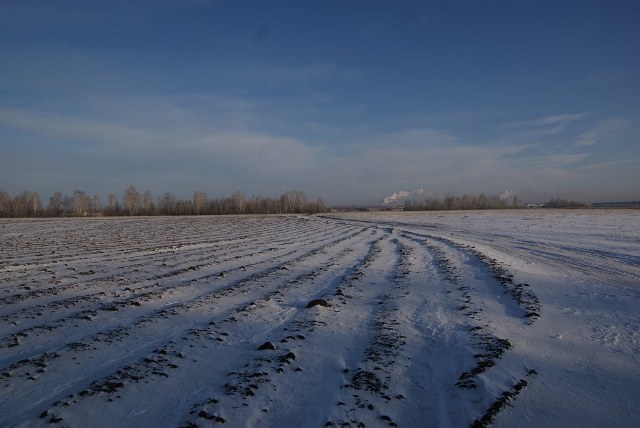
(403, 195)
(505, 195)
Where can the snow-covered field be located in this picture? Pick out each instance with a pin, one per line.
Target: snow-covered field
(516, 318)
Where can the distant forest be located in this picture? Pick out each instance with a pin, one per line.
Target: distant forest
(134, 203)
(481, 202)
(465, 202)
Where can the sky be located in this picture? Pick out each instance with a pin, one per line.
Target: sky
(346, 100)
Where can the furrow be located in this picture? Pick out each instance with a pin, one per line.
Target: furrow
(216, 327)
(160, 293)
(183, 314)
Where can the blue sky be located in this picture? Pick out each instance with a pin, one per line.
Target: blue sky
(348, 100)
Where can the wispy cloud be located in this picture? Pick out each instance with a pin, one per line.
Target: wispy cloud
(256, 154)
(417, 136)
(602, 129)
(555, 160)
(548, 125)
(588, 138)
(611, 165)
(73, 128)
(614, 124)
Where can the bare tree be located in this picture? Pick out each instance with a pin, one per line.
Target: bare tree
(132, 200)
(467, 202)
(433, 204)
(302, 202)
(95, 206)
(288, 202)
(320, 207)
(26, 204)
(483, 201)
(238, 203)
(80, 203)
(5, 204)
(148, 206)
(19, 206)
(168, 204)
(35, 205)
(256, 205)
(185, 207)
(113, 206)
(199, 202)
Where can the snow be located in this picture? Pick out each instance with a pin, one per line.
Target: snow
(434, 319)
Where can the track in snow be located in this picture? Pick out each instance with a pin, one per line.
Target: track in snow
(159, 322)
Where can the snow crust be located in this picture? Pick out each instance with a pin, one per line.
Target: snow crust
(510, 318)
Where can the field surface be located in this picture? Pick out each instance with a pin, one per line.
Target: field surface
(510, 318)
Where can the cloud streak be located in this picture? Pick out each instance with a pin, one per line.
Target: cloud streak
(73, 129)
(603, 129)
(548, 125)
(588, 138)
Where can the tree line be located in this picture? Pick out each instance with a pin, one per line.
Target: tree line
(134, 203)
(482, 202)
(465, 202)
(563, 203)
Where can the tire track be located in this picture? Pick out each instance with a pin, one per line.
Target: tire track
(157, 292)
(132, 287)
(247, 393)
(133, 264)
(489, 348)
(111, 339)
(373, 387)
(519, 292)
(470, 275)
(278, 321)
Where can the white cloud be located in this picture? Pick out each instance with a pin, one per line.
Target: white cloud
(555, 160)
(613, 124)
(602, 129)
(549, 125)
(612, 165)
(74, 128)
(559, 119)
(255, 153)
(588, 138)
